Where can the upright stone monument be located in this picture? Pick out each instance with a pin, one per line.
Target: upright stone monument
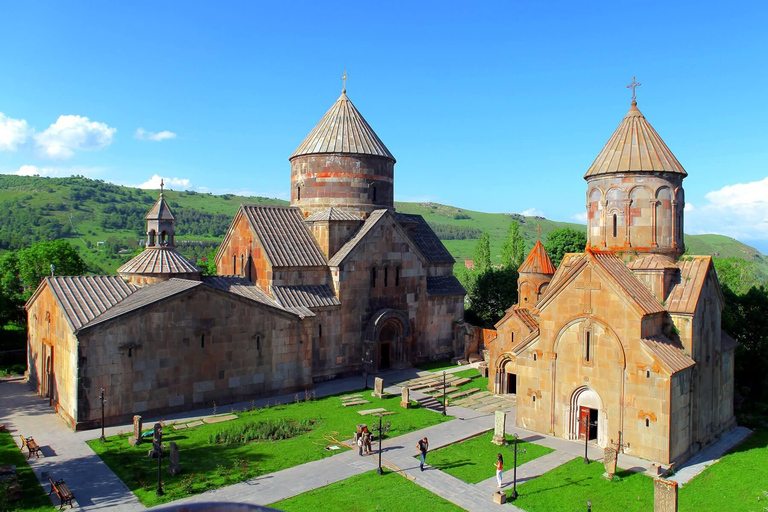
(664, 495)
(609, 461)
(378, 388)
(136, 437)
(405, 401)
(499, 428)
(174, 467)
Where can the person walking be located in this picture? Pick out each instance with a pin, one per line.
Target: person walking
(423, 446)
(499, 468)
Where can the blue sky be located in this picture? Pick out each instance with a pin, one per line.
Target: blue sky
(492, 106)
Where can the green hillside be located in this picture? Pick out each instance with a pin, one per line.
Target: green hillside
(105, 221)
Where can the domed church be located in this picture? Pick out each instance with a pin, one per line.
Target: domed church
(622, 344)
(335, 284)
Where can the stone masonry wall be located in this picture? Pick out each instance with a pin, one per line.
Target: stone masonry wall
(234, 256)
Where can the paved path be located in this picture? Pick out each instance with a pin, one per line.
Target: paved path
(710, 455)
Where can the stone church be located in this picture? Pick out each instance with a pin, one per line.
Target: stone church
(336, 284)
(622, 344)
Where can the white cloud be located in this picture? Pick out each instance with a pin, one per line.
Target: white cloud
(739, 211)
(143, 134)
(688, 207)
(532, 212)
(580, 217)
(170, 183)
(57, 172)
(13, 133)
(71, 133)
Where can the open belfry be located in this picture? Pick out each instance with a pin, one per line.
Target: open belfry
(332, 285)
(622, 344)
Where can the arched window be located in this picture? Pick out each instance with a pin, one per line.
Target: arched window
(374, 193)
(258, 342)
(587, 347)
(242, 265)
(615, 222)
(647, 422)
(373, 277)
(202, 341)
(534, 398)
(298, 193)
(385, 276)
(152, 237)
(319, 331)
(163, 237)
(234, 264)
(397, 276)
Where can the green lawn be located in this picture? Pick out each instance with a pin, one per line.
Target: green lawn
(736, 483)
(567, 488)
(474, 460)
(476, 382)
(437, 366)
(209, 466)
(368, 492)
(33, 497)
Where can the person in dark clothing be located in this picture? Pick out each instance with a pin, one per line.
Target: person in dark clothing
(423, 446)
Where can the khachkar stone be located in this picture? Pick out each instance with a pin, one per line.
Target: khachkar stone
(378, 388)
(609, 461)
(664, 495)
(136, 437)
(174, 467)
(405, 401)
(499, 428)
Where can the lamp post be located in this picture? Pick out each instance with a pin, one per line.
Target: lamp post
(514, 471)
(444, 399)
(103, 401)
(382, 429)
(589, 505)
(587, 425)
(158, 442)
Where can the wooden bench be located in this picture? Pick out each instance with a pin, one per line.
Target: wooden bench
(62, 491)
(31, 445)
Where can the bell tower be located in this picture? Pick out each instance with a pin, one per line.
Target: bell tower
(160, 220)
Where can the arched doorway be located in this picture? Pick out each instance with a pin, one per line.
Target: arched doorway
(506, 376)
(388, 338)
(586, 415)
(389, 331)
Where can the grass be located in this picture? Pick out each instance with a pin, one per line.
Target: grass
(568, 487)
(33, 497)
(477, 382)
(368, 492)
(437, 366)
(209, 466)
(737, 483)
(474, 460)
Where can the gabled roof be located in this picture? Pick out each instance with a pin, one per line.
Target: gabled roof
(333, 214)
(83, 298)
(301, 299)
(635, 147)
(240, 286)
(426, 239)
(726, 342)
(537, 262)
(158, 260)
(669, 353)
(628, 282)
(444, 285)
(286, 240)
(684, 296)
(161, 211)
(651, 262)
(343, 130)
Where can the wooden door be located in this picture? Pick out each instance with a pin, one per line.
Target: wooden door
(583, 422)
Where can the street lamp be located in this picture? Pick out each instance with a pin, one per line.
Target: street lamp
(444, 399)
(103, 401)
(589, 505)
(380, 433)
(514, 471)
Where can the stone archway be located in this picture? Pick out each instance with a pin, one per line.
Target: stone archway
(587, 416)
(389, 332)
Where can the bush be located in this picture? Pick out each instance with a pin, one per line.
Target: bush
(270, 430)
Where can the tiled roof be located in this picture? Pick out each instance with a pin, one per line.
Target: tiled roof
(635, 146)
(652, 262)
(444, 285)
(669, 353)
(343, 130)
(160, 211)
(158, 260)
(684, 297)
(726, 342)
(363, 230)
(627, 280)
(286, 239)
(242, 287)
(571, 264)
(525, 316)
(424, 238)
(538, 261)
(303, 298)
(333, 214)
(83, 298)
(144, 297)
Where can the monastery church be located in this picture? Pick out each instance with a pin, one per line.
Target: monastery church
(332, 285)
(622, 344)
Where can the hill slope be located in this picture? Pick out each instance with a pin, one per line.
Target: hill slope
(105, 221)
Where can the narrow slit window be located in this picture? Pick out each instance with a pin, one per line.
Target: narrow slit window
(534, 398)
(385, 276)
(242, 265)
(512, 337)
(534, 357)
(397, 276)
(202, 341)
(647, 422)
(234, 264)
(298, 193)
(647, 374)
(373, 277)
(258, 342)
(129, 352)
(615, 225)
(374, 193)
(320, 331)
(588, 348)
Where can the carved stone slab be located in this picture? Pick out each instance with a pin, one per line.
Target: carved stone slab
(664, 495)
(499, 425)
(405, 400)
(136, 437)
(609, 461)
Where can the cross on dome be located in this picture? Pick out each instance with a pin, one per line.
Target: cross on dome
(344, 79)
(634, 85)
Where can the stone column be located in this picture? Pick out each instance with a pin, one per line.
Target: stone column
(664, 495)
(136, 437)
(174, 467)
(499, 432)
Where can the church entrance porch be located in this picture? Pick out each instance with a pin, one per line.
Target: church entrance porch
(585, 416)
(389, 334)
(587, 424)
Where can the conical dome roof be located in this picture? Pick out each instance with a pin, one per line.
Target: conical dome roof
(343, 130)
(635, 147)
(161, 211)
(537, 262)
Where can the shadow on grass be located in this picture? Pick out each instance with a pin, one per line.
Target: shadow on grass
(455, 464)
(568, 483)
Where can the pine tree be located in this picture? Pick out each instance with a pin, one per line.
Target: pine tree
(483, 254)
(513, 248)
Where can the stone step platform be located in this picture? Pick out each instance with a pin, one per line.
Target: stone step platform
(466, 392)
(462, 381)
(371, 411)
(219, 419)
(355, 402)
(351, 397)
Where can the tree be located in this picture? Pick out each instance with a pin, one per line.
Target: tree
(483, 254)
(562, 241)
(737, 274)
(495, 291)
(513, 248)
(207, 264)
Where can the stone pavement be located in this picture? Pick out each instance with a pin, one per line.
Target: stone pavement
(710, 455)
